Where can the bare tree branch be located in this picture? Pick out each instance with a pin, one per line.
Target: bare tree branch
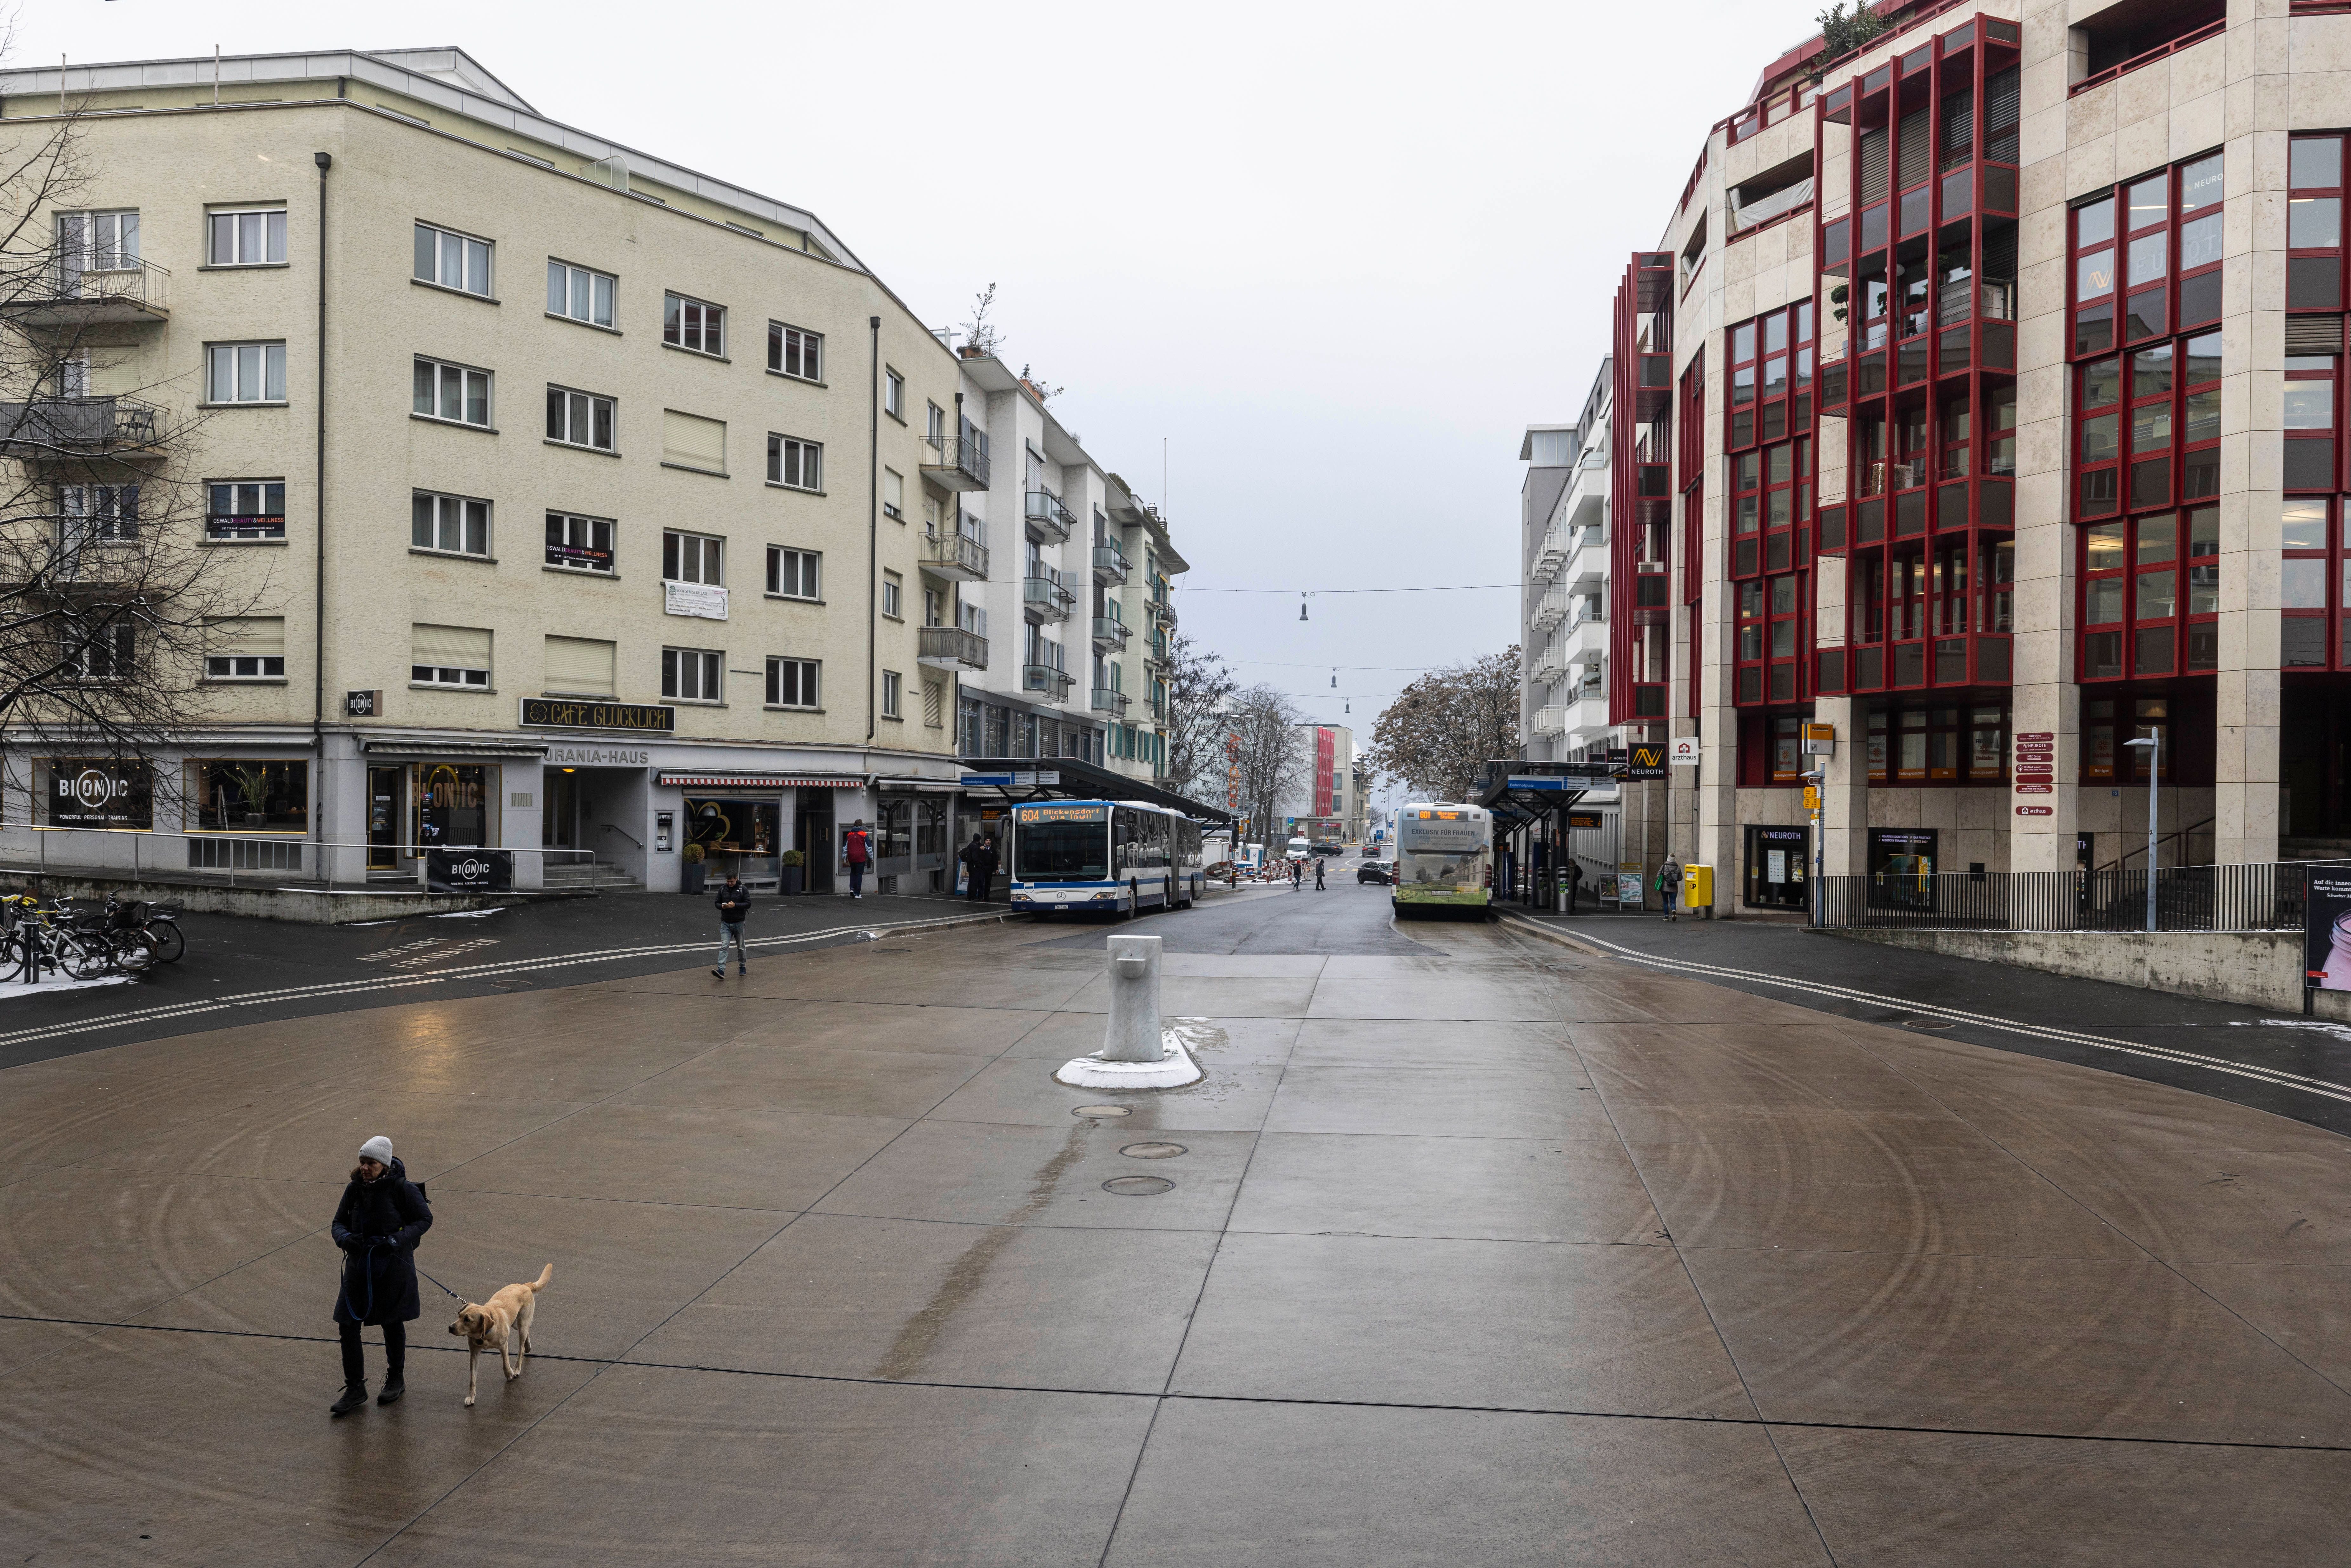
(1270, 754)
(1199, 684)
(1438, 730)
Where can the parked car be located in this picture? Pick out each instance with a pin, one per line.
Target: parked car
(1382, 872)
(1327, 847)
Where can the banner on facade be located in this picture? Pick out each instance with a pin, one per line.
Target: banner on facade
(2327, 932)
(469, 870)
(101, 792)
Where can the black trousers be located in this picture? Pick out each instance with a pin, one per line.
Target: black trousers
(976, 886)
(395, 1351)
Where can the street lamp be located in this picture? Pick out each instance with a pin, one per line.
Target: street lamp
(2153, 744)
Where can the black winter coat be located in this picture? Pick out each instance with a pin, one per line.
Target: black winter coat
(378, 1225)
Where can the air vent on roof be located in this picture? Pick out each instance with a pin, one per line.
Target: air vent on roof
(2319, 333)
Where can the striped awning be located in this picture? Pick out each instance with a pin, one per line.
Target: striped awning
(761, 780)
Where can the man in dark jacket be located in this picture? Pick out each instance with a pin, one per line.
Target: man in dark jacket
(378, 1224)
(857, 854)
(979, 863)
(733, 903)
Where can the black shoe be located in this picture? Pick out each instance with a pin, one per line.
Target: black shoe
(744, 969)
(354, 1397)
(393, 1387)
(720, 972)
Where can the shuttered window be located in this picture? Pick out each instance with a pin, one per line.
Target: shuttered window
(580, 667)
(1872, 165)
(244, 648)
(1915, 148)
(449, 656)
(690, 441)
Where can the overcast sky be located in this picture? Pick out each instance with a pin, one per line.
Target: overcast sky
(1336, 258)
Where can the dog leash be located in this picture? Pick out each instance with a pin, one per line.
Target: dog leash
(371, 1281)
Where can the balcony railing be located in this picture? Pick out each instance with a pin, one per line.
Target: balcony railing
(1109, 699)
(1110, 633)
(961, 462)
(1165, 609)
(1045, 599)
(1548, 721)
(1047, 678)
(952, 648)
(955, 556)
(66, 292)
(1550, 610)
(64, 429)
(1110, 565)
(1050, 522)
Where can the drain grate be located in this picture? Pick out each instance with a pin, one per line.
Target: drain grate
(1137, 1187)
(1101, 1110)
(1153, 1151)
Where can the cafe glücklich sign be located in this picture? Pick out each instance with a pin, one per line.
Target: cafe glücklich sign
(101, 792)
(561, 713)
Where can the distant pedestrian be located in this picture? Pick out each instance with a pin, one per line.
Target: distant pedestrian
(382, 1217)
(1670, 885)
(857, 849)
(979, 864)
(1574, 882)
(1297, 876)
(1318, 876)
(733, 906)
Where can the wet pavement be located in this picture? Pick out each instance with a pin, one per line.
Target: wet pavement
(1474, 1250)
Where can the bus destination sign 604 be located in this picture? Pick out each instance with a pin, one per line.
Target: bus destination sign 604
(1061, 813)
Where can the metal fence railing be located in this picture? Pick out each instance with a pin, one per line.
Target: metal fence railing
(2261, 897)
(249, 859)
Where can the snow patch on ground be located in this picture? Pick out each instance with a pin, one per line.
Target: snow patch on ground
(466, 914)
(11, 989)
(2340, 1031)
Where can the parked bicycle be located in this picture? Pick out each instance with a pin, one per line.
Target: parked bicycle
(158, 922)
(88, 944)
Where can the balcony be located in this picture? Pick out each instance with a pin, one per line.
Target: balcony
(59, 430)
(1050, 522)
(1165, 609)
(1550, 721)
(961, 464)
(1044, 599)
(952, 648)
(956, 556)
(1109, 700)
(1549, 667)
(1110, 633)
(1550, 610)
(1050, 679)
(95, 305)
(1552, 552)
(1155, 651)
(1110, 565)
(1587, 568)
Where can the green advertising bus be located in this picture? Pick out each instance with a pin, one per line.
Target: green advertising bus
(1445, 857)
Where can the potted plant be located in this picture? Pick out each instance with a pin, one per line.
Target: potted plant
(792, 861)
(690, 874)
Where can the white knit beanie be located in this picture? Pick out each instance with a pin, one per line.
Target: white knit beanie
(378, 1148)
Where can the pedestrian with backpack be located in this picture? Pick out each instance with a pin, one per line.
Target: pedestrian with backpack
(857, 850)
(1670, 885)
(378, 1224)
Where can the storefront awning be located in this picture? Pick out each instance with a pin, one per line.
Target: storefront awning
(430, 749)
(918, 786)
(761, 780)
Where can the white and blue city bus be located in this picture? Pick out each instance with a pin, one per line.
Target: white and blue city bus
(1115, 857)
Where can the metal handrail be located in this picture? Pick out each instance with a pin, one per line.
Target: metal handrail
(955, 549)
(2210, 30)
(2262, 896)
(966, 647)
(134, 280)
(42, 864)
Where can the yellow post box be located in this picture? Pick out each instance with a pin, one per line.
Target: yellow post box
(1697, 887)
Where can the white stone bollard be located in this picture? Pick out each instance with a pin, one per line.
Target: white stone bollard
(1137, 1052)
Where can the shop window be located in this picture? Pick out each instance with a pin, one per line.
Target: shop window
(1779, 862)
(1901, 867)
(250, 796)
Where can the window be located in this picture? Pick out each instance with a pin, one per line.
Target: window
(97, 514)
(245, 372)
(102, 653)
(456, 656)
(272, 797)
(2306, 581)
(254, 237)
(580, 667)
(244, 648)
(893, 493)
(893, 394)
(2151, 589)
(892, 683)
(792, 573)
(934, 425)
(449, 525)
(934, 705)
(690, 441)
(99, 241)
(692, 558)
(690, 674)
(578, 544)
(2313, 223)
(894, 592)
(2147, 254)
(580, 419)
(245, 509)
(795, 463)
(693, 325)
(931, 601)
(452, 260)
(791, 682)
(579, 294)
(795, 352)
(457, 393)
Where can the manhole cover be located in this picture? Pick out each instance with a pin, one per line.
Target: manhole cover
(1137, 1187)
(1101, 1110)
(1153, 1151)
(1926, 1023)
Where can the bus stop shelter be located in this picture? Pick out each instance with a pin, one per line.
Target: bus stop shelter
(1533, 805)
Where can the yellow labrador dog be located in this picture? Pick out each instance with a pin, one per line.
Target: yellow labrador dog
(504, 1321)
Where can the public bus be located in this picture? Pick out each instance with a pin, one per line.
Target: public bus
(1444, 857)
(1109, 857)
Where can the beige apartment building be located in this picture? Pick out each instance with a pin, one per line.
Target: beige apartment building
(637, 524)
(1981, 399)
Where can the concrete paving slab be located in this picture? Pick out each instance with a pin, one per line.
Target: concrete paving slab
(732, 1470)
(1413, 989)
(1754, 1065)
(1303, 1485)
(218, 1448)
(815, 1079)
(23, 1341)
(880, 1026)
(2114, 1347)
(1898, 1500)
(2303, 1308)
(1579, 1188)
(1015, 1306)
(1408, 1320)
(995, 1174)
(1230, 1099)
(1466, 1103)
(1436, 1046)
(727, 1155)
(315, 1132)
(621, 1270)
(908, 978)
(1244, 1042)
(1181, 996)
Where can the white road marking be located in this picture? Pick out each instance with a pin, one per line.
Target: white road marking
(2172, 1055)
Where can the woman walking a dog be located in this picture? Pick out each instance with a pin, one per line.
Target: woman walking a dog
(381, 1217)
